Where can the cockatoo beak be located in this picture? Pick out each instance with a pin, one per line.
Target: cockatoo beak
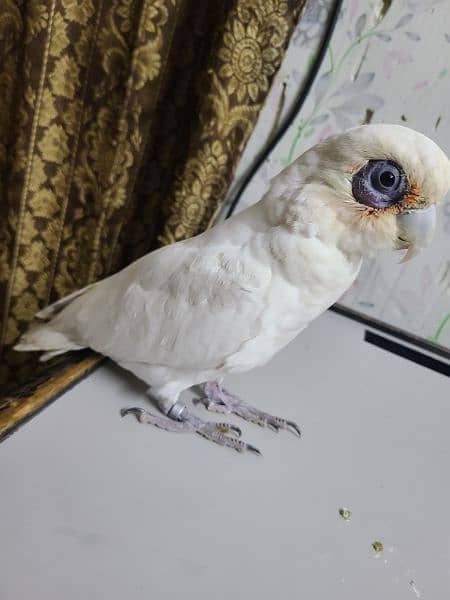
(416, 229)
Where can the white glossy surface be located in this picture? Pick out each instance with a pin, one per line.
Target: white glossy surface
(95, 506)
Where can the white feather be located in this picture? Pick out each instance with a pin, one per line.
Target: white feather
(230, 298)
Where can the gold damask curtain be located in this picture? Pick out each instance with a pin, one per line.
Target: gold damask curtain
(121, 123)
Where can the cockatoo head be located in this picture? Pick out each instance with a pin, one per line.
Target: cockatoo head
(381, 182)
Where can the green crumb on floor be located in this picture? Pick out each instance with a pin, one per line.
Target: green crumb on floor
(378, 547)
(345, 514)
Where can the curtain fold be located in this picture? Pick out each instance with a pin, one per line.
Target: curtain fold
(121, 124)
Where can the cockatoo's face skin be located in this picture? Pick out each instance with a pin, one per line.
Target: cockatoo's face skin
(382, 182)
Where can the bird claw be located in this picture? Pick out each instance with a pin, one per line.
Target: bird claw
(214, 434)
(189, 423)
(160, 421)
(228, 428)
(212, 405)
(293, 428)
(275, 424)
(134, 410)
(219, 400)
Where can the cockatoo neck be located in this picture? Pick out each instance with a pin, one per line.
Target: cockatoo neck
(312, 212)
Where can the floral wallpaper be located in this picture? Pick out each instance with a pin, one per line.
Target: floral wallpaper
(388, 61)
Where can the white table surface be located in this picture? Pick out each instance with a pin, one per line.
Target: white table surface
(95, 506)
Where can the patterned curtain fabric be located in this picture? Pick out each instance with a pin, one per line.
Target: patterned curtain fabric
(121, 123)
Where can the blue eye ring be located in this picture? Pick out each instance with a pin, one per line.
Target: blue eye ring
(380, 184)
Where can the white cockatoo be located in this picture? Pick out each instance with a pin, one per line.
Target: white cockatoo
(230, 298)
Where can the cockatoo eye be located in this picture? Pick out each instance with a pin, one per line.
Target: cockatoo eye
(380, 183)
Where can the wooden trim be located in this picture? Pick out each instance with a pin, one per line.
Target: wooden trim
(22, 406)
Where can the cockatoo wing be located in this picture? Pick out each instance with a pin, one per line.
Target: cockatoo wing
(186, 306)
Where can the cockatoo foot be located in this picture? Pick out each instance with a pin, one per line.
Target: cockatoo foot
(219, 400)
(181, 420)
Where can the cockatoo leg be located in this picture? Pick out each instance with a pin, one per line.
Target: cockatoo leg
(180, 420)
(217, 399)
